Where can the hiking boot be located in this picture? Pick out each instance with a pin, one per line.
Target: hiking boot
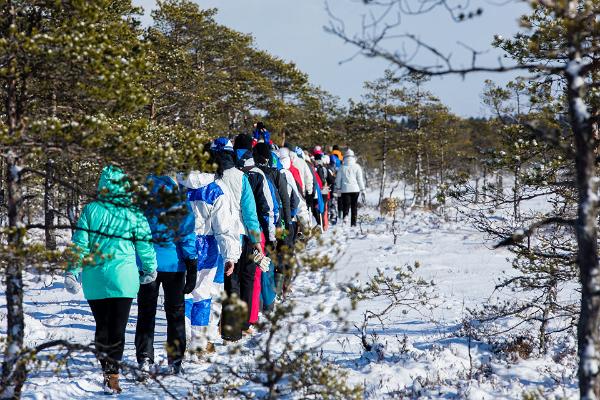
(143, 372)
(248, 332)
(174, 369)
(111, 384)
(210, 348)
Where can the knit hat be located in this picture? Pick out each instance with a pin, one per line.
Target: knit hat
(242, 141)
(221, 144)
(318, 150)
(349, 153)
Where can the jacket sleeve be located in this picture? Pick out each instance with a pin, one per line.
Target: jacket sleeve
(285, 200)
(186, 242)
(360, 178)
(81, 241)
(264, 206)
(224, 229)
(338, 181)
(249, 217)
(143, 243)
(308, 178)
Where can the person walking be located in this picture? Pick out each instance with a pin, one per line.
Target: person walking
(109, 234)
(241, 282)
(267, 209)
(175, 247)
(218, 248)
(350, 183)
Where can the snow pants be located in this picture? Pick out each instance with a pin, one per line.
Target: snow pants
(241, 282)
(350, 203)
(111, 316)
(203, 305)
(172, 283)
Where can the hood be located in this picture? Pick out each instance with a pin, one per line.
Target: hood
(163, 181)
(243, 158)
(286, 163)
(349, 160)
(114, 186)
(195, 179)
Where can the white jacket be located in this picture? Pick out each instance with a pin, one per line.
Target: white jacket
(305, 173)
(214, 213)
(303, 215)
(350, 178)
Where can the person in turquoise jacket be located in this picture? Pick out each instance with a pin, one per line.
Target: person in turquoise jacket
(109, 234)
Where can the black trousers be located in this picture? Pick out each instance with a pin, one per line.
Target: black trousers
(241, 282)
(111, 317)
(350, 202)
(172, 283)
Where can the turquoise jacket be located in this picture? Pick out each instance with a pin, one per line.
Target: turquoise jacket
(109, 234)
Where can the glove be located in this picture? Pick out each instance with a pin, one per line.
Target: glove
(336, 194)
(191, 274)
(363, 198)
(263, 261)
(71, 283)
(146, 278)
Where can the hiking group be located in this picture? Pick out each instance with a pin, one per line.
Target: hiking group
(221, 261)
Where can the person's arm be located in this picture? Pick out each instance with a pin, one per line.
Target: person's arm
(308, 178)
(186, 236)
(360, 178)
(143, 244)
(81, 243)
(285, 200)
(249, 217)
(265, 207)
(338, 181)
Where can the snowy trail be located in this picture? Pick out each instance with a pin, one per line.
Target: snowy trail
(422, 355)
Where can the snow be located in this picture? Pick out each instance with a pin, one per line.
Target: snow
(417, 353)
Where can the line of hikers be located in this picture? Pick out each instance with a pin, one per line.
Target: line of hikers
(232, 234)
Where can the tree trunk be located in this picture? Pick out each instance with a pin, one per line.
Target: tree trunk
(49, 231)
(13, 372)
(588, 330)
(516, 190)
(384, 151)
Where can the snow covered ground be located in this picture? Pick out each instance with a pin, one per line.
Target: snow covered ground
(422, 353)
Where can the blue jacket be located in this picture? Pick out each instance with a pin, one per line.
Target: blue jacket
(174, 237)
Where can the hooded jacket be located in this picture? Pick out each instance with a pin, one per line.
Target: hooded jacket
(109, 234)
(305, 173)
(265, 205)
(246, 219)
(174, 238)
(350, 178)
(216, 219)
(298, 206)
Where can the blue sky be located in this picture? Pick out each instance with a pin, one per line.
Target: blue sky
(293, 30)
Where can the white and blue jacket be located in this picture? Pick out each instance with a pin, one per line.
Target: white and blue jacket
(217, 240)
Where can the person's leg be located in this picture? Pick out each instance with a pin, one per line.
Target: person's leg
(268, 292)
(256, 288)
(119, 308)
(345, 205)
(201, 308)
(354, 206)
(101, 316)
(247, 273)
(144, 330)
(173, 283)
